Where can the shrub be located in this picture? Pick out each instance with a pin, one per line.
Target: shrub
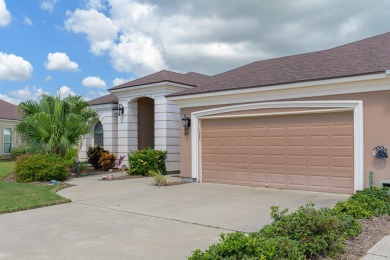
(107, 160)
(94, 154)
(40, 167)
(366, 204)
(250, 246)
(83, 166)
(319, 232)
(70, 158)
(142, 162)
(22, 150)
(159, 179)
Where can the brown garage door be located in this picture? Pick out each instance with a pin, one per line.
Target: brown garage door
(303, 152)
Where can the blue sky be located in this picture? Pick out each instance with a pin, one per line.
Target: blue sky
(87, 46)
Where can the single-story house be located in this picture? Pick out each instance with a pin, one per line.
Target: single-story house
(317, 121)
(9, 117)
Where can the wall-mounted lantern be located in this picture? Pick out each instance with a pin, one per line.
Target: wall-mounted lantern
(380, 152)
(120, 109)
(186, 123)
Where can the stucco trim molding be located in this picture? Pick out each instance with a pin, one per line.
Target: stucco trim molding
(339, 105)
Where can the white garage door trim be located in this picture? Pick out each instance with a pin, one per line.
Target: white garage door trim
(352, 105)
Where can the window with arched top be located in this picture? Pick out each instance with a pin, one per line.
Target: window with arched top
(98, 134)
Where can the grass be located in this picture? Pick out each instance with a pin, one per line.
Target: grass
(22, 196)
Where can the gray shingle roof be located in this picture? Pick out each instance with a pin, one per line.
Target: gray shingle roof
(107, 99)
(190, 79)
(9, 111)
(367, 56)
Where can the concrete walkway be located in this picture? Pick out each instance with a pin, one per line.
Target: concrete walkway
(132, 219)
(380, 251)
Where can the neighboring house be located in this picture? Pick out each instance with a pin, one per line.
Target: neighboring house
(304, 122)
(9, 117)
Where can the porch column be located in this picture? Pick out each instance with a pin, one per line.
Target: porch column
(167, 131)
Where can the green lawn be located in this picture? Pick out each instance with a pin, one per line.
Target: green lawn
(22, 196)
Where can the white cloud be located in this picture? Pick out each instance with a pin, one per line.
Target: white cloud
(94, 94)
(60, 61)
(210, 37)
(137, 53)
(96, 4)
(5, 15)
(27, 21)
(119, 81)
(48, 5)
(65, 91)
(9, 99)
(48, 78)
(13, 67)
(100, 30)
(93, 82)
(28, 92)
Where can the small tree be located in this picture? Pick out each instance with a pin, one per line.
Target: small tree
(55, 125)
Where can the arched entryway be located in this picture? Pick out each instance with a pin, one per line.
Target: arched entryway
(145, 122)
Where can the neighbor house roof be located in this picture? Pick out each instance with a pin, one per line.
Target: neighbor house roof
(190, 79)
(9, 111)
(368, 56)
(107, 99)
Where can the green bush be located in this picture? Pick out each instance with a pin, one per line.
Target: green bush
(319, 232)
(305, 233)
(22, 150)
(40, 167)
(17, 151)
(142, 162)
(366, 204)
(250, 246)
(94, 154)
(107, 161)
(70, 159)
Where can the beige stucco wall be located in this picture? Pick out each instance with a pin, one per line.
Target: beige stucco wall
(376, 112)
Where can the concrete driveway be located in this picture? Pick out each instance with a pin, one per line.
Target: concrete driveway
(132, 219)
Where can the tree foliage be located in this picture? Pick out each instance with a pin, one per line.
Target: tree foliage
(53, 124)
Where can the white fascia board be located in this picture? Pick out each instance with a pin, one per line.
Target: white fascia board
(8, 121)
(103, 106)
(164, 84)
(346, 85)
(353, 105)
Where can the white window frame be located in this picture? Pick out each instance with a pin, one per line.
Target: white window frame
(7, 127)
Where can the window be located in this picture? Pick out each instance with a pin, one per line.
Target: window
(98, 134)
(7, 140)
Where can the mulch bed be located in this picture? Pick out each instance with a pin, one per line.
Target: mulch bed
(373, 230)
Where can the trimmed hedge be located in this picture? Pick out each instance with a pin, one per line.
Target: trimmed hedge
(40, 167)
(305, 233)
(145, 161)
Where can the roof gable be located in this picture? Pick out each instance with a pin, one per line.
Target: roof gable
(190, 79)
(9, 111)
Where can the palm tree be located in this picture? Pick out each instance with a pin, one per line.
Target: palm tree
(55, 125)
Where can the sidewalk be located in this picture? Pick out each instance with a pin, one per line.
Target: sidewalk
(380, 251)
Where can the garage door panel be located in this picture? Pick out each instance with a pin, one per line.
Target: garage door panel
(297, 161)
(296, 141)
(319, 181)
(297, 180)
(307, 152)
